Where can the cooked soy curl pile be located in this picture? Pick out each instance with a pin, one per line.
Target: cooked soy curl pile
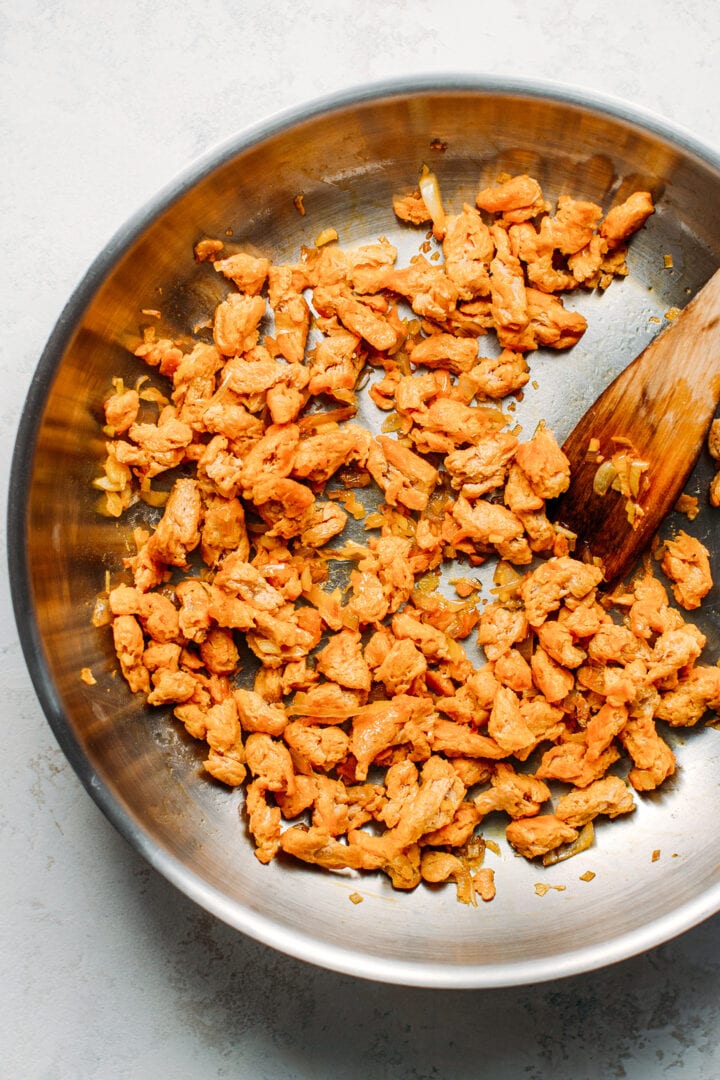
(369, 738)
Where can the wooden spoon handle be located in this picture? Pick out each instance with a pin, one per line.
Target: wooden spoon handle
(662, 403)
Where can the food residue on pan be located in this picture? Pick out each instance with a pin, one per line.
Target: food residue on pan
(713, 445)
(368, 737)
(688, 505)
(542, 888)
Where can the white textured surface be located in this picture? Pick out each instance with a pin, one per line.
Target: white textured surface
(106, 971)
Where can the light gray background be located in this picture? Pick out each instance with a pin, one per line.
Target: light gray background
(107, 972)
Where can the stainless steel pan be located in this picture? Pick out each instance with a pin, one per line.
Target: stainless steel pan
(347, 156)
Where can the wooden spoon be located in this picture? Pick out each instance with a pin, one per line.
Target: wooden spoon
(662, 403)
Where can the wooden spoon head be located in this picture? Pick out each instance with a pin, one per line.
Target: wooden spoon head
(662, 405)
